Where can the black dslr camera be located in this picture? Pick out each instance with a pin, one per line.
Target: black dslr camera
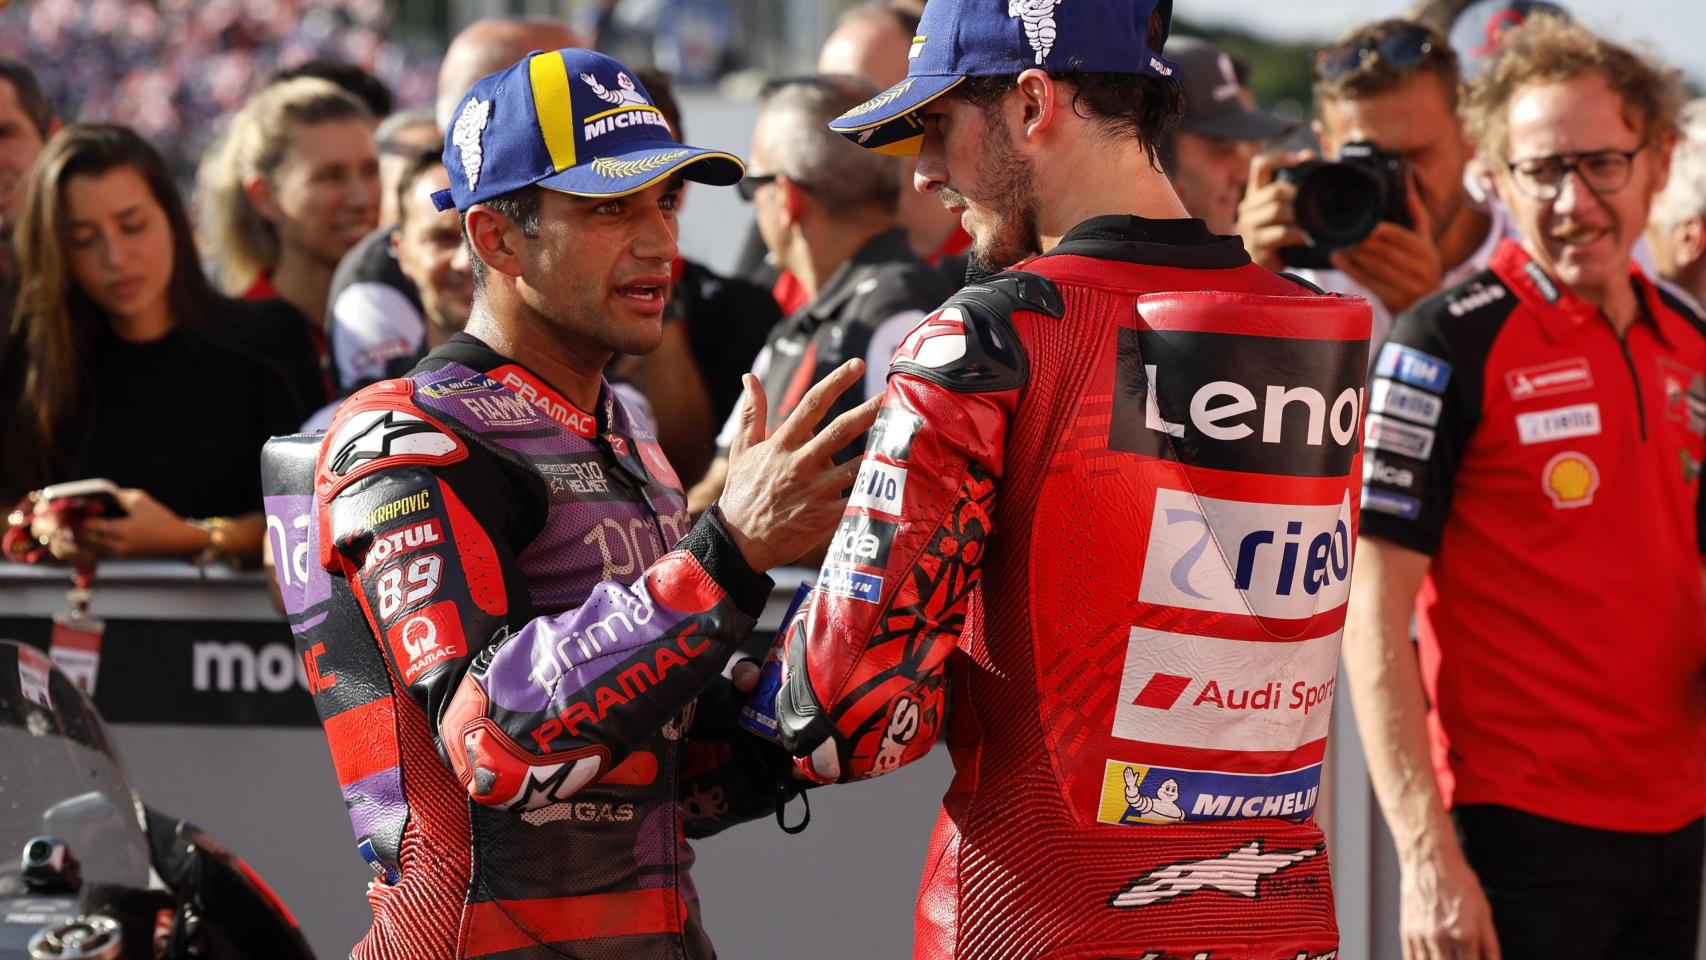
(1340, 202)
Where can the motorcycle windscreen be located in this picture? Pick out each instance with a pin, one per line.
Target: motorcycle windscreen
(60, 777)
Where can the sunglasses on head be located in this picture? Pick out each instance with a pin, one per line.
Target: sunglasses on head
(1404, 49)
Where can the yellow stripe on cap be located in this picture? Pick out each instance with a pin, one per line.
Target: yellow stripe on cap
(554, 106)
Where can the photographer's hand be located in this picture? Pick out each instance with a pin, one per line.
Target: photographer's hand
(1266, 219)
(1401, 265)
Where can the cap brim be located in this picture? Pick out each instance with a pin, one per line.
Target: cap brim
(887, 123)
(620, 174)
(1248, 125)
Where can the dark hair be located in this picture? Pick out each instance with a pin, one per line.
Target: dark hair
(520, 207)
(1377, 75)
(29, 92)
(662, 89)
(417, 162)
(56, 319)
(366, 87)
(1124, 104)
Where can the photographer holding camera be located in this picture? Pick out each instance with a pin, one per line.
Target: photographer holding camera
(1391, 220)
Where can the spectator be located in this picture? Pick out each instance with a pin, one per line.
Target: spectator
(134, 369)
(430, 250)
(713, 330)
(1476, 29)
(1207, 156)
(1534, 441)
(487, 46)
(872, 42)
(827, 211)
(26, 121)
(292, 188)
(1677, 231)
(376, 327)
(399, 137)
(366, 87)
(1392, 83)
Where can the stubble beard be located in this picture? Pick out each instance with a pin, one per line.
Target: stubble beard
(1013, 236)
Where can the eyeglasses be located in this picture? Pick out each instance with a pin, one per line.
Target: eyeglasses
(1603, 171)
(749, 184)
(1404, 49)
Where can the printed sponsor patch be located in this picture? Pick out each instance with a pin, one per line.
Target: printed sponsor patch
(1396, 436)
(891, 436)
(937, 342)
(33, 669)
(1216, 694)
(1684, 394)
(502, 411)
(1391, 397)
(1413, 367)
(1475, 297)
(380, 434)
(1395, 504)
(1570, 479)
(1135, 793)
(446, 389)
(1240, 872)
(1562, 423)
(400, 507)
(861, 542)
(1549, 379)
(1376, 470)
(880, 487)
(387, 545)
(850, 583)
(1541, 281)
(1251, 404)
(426, 639)
(1275, 560)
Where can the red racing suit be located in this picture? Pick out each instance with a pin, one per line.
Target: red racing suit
(1134, 463)
(514, 639)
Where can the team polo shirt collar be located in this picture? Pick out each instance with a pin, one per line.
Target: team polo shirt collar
(888, 247)
(1561, 314)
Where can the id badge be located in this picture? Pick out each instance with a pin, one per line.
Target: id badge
(76, 643)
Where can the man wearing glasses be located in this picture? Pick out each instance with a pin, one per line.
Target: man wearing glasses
(828, 212)
(1392, 83)
(1531, 465)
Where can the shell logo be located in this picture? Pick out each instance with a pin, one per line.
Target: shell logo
(1570, 479)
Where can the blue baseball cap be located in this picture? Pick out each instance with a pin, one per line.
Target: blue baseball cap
(569, 120)
(1004, 38)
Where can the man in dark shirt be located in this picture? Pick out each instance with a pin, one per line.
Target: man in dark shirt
(827, 210)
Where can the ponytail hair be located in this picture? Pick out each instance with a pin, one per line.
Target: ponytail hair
(240, 242)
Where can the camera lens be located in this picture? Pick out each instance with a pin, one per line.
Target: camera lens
(39, 851)
(1339, 205)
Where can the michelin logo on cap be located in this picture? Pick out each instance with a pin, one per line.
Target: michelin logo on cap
(466, 136)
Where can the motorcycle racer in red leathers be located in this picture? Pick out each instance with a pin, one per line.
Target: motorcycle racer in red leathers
(1103, 529)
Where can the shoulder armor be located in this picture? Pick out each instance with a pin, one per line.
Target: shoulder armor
(970, 345)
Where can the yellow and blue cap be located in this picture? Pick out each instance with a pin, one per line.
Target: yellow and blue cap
(569, 120)
(1004, 38)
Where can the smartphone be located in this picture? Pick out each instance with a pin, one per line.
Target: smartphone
(96, 498)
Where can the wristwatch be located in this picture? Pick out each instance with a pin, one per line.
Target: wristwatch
(218, 541)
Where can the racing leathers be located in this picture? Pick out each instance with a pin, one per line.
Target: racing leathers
(1133, 465)
(514, 638)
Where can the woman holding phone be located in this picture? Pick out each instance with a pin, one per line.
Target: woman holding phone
(130, 367)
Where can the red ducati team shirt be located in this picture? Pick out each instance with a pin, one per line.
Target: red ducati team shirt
(1551, 471)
